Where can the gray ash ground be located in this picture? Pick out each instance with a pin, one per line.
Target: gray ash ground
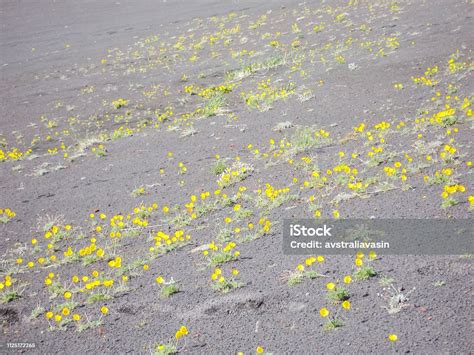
(216, 120)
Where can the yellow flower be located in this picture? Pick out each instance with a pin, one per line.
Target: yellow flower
(65, 311)
(347, 279)
(76, 317)
(104, 310)
(346, 305)
(358, 262)
(392, 337)
(235, 272)
(183, 330)
(49, 315)
(324, 312)
(259, 350)
(67, 295)
(300, 267)
(160, 280)
(330, 285)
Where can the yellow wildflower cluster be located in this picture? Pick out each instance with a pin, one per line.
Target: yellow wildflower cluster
(452, 189)
(455, 66)
(447, 153)
(441, 116)
(425, 80)
(265, 223)
(89, 249)
(172, 346)
(119, 103)
(305, 270)
(266, 94)
(237, 172)
(6, 214)
(164, 242)
(99, 150)
(13, 154)
(360, 128)
(6, 282)
(271, 193)
(338, 295)
(207, 93)
(225, 284)
(115, 263)
(116, 222)
(322, 133)
(396, 171)
(382, 126)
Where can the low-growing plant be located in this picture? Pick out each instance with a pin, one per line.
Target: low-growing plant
(225, 284)
(364, 269)
(396, 298)
(219, 167)
(304, 271)
(99, 150)
(220, 254)
(365, 273)
(97, 297)
(333, 324)
(338, 294)
(6, 215)
(139, 191)
(171, 346)
(167, 288)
